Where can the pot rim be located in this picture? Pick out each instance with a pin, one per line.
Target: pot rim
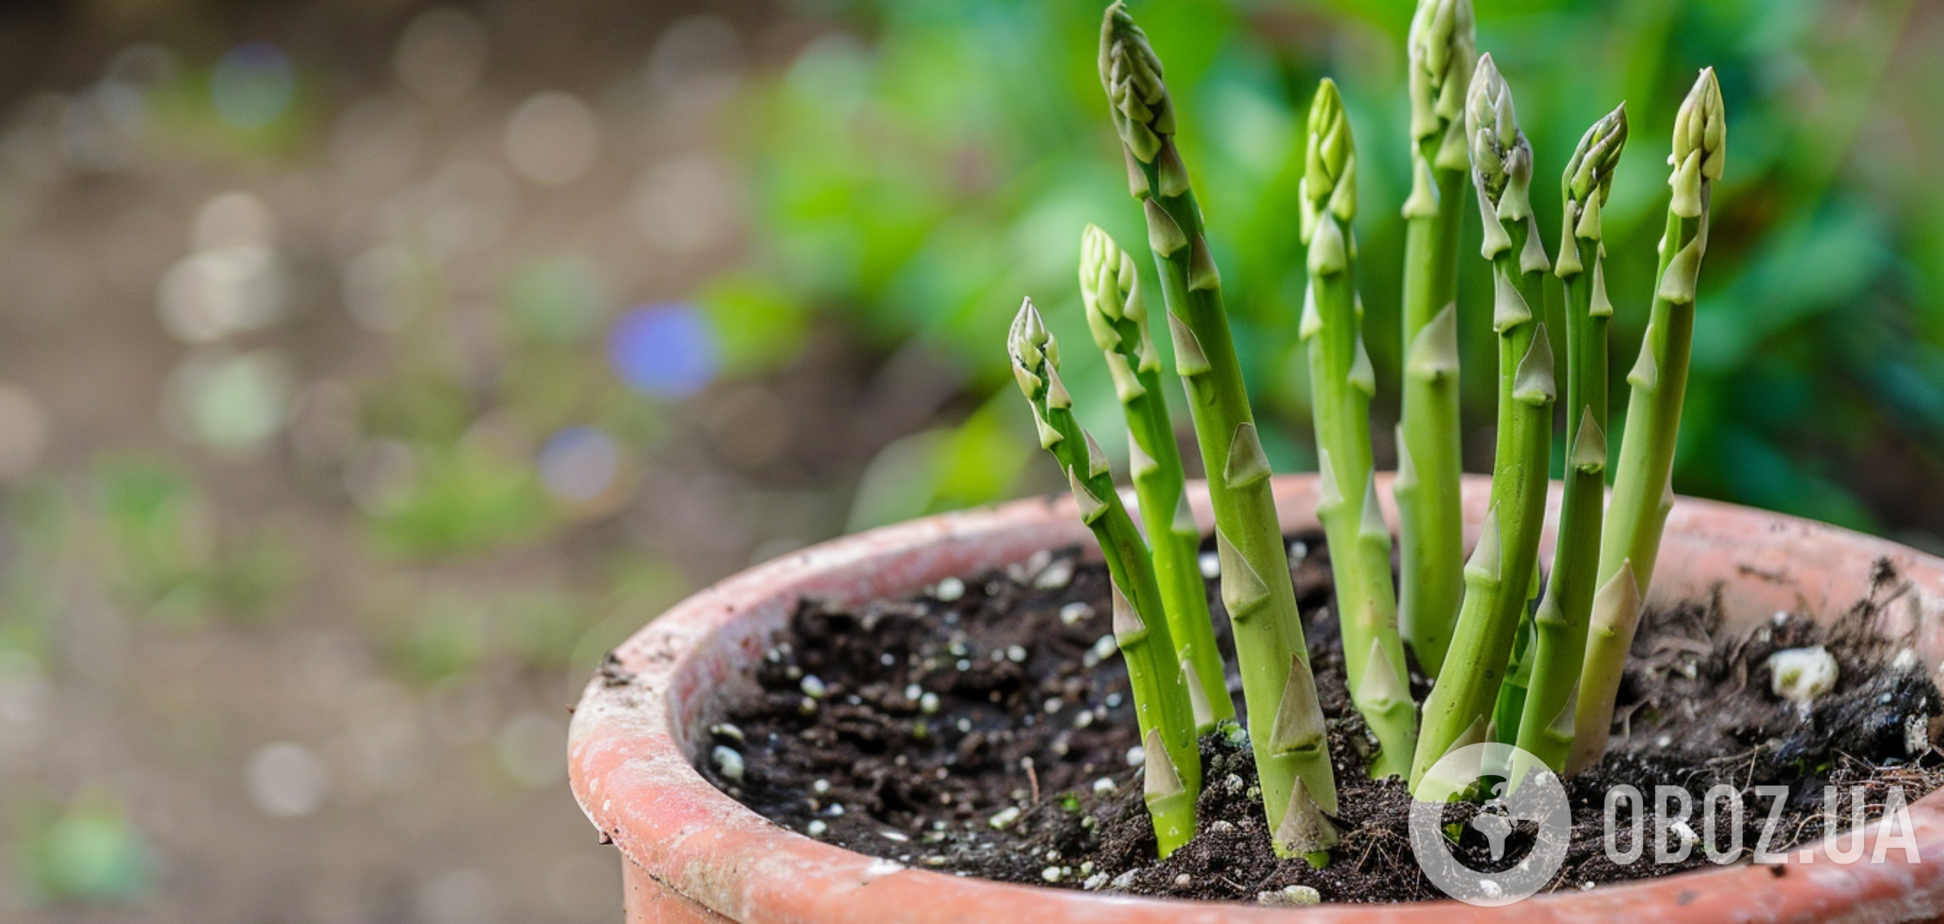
(632, 734)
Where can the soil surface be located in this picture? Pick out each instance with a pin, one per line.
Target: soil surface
(984, 728)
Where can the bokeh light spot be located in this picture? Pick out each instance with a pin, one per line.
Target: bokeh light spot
(232, 403)
(687, 205)
(663, 349)
(252, 85)
(287, 780)
(207, 296)
(442, 54)
(23, 435)
(234, 219)
(579, 464)
(552, 138)
(384, 288)
(558, 299)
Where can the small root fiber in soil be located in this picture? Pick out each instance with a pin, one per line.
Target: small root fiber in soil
(983, 727)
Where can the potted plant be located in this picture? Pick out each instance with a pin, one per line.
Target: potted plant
(1528, 658)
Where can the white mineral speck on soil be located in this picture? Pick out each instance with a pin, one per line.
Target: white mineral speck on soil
(727, 762)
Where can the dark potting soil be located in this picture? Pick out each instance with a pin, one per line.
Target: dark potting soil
(984, 728)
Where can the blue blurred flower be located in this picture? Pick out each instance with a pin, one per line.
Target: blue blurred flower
(664, 349)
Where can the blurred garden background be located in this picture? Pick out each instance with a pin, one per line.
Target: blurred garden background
(367, 369)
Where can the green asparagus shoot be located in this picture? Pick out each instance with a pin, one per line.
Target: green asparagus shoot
(1117, 316)
(1546, 727)
(1431, 533)
(1642, 490)
(1285, 721)
(1501, 567)
(1161, 700)
(1342, 385)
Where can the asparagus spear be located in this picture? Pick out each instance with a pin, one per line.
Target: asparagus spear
(1285, 721)
(1117, 316)
(1546, 727)
(1642, 491)
(1500, 570)
(1431, 533)
(1341, 384)
(1161, 707)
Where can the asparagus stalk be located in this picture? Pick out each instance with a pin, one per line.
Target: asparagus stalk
(1546, 727)
(1642, 491)
(1431, 533)
(1117, 316)
(1512, 691)
(1161, 706)
(1285, 721)
(1341, 383)
(1500, 569)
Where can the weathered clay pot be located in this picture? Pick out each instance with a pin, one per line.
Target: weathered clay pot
(693, 854)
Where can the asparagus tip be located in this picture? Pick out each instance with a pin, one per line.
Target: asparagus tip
(1330, 174)
(1702, 127)
(1131, 74)
(1490, 118)
(1442, 49)
(1027, 343)
(1501, 157)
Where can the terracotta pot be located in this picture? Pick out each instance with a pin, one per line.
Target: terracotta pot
(693, 854)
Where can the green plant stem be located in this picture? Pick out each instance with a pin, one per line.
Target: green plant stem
(1512, 691)
(1117, 316)
(1429, 461)
(1431, 522)
(1497, 577)
(1161, 701)
(1642, 489)
(1545, 729)
(1285, 721)
(1341, 384)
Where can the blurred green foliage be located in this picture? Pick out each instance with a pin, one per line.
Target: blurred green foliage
(470, 496)
(919, 167)
(437, 629)
(87, 850)
(155, 536)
